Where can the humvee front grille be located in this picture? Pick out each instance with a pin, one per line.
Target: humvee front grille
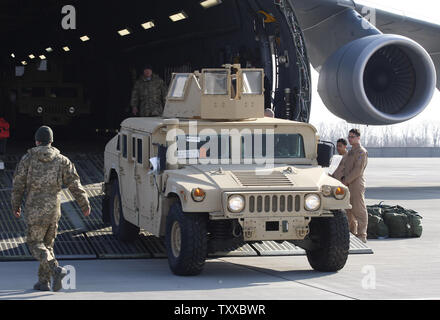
(251, 179)
(273, 203)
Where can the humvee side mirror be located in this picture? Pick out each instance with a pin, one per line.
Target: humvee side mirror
(326, 150)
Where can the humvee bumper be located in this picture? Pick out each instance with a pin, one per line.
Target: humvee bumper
(262, 229)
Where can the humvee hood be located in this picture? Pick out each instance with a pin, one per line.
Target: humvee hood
(247, 177)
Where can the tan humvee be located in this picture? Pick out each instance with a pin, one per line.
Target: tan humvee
(214, 172)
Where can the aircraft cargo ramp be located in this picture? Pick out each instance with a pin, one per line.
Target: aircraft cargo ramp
(89, 238)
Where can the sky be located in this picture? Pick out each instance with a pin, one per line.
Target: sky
(428, 10)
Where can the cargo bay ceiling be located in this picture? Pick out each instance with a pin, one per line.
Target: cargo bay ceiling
(252, 32)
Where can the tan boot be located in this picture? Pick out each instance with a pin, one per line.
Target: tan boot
(362, 238)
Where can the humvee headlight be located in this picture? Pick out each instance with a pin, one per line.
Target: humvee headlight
(312, 202)
(40, 110)
(198, 194)
(326, 191)
(72, 110)
(236, 203)
(339, 193)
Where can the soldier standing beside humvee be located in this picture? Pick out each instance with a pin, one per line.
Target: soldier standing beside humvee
(40, 174)
(354, 165)
(341, 146)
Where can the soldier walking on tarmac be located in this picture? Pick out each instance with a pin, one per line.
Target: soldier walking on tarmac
(355, 163)
(40, 174)
(149, 94)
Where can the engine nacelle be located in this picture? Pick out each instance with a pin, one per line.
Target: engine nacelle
(378, 80)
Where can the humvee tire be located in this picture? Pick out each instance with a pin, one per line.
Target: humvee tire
(333, 245)
(186, 240)
(121, 228)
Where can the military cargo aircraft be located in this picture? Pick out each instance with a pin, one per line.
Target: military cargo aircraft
(376, 67)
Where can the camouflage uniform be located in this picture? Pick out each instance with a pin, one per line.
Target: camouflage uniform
(41, 173)
(149, 96)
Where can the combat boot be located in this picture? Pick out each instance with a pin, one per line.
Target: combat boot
(58, 273)
(363, 239)
(42, 286)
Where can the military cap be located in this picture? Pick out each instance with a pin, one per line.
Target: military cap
(44, 135)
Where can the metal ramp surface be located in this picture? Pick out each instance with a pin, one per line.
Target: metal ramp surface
(82, 237)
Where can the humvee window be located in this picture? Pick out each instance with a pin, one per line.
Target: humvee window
(133, 148)
(139, 151)
(285, 146)
(178, 86)
(252, 82)
(118, 143)
(289, 146)
(215, 82)
(124, 146)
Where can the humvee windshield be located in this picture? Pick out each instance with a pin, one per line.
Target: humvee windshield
(63, 92)
(35, 92)
(248, 146)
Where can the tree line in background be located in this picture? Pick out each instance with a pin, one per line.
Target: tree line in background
(401, 135)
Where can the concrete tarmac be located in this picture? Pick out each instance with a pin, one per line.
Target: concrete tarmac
(398, 269)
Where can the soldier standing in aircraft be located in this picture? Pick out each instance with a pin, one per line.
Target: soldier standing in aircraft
(149, 94)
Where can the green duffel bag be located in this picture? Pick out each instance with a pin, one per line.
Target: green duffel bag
(376, 227)
(398, 224)
(375, 210)
(415, 222)
(402, 223)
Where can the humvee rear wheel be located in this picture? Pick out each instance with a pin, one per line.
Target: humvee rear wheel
(186, 241)
(121, 228)
(333, 242)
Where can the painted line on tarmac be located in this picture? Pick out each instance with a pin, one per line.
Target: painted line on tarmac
(287, 279)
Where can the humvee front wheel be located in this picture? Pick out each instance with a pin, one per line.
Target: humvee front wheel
(121, 228)
(186, 241)
(333, 242)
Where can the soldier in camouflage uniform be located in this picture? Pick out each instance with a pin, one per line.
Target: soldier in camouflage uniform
(149, 95)
(40, 174)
